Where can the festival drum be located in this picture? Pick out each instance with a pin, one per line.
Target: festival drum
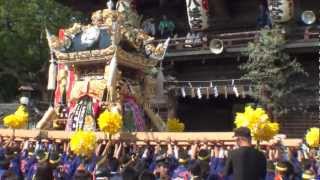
(281, 10)
(197, 14)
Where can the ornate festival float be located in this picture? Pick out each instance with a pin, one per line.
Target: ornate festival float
(107, 76)
(109, 65)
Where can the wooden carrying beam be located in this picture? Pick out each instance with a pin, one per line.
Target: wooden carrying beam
(181, 138)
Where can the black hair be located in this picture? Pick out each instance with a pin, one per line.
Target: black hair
(82, 175)
(195, 169)
(183, 154)
(102, 171)
(129, 173)
(44, 171)
(163, 163)
(146, 175)
(203, 153)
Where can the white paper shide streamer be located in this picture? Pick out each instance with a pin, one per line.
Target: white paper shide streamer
(235, 90)
(215, 90)
(193, 92)
(199, 93)
(208, 93)
(226, 92)
(250, 91)
(183, 92)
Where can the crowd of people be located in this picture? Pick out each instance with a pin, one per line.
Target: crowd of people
(124, 160)
(165, 28)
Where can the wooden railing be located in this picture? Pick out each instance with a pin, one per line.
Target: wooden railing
(236, 39)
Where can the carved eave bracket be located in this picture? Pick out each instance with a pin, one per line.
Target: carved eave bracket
(135, 61)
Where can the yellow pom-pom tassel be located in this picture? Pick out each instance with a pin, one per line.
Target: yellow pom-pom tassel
(11, 121)
(266, 131)
(312, 137)
(174, 125)
(22, 114)
(110, 122)
(83, 143)
(17, 120)
(257, 120)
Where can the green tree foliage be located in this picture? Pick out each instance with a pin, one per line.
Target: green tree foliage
(23, 45)
(272, 71)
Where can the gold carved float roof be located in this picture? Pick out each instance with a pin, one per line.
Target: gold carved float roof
(124, 58)
(127, 31)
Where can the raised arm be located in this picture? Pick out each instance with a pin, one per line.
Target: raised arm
(98, 149)
(194, 149)
(104, 154)
(107, 148)
(117, 152)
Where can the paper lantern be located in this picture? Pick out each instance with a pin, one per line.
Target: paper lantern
(281, 10)
(197, 11)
